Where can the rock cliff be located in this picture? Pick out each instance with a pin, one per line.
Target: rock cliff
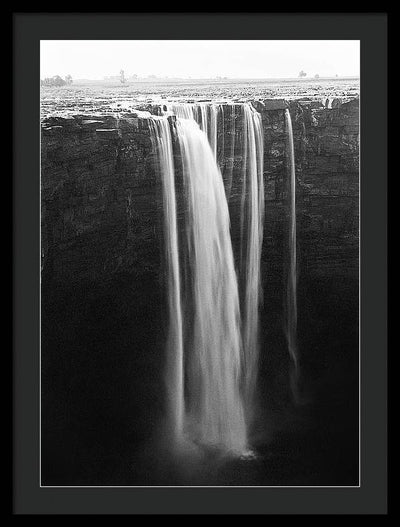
(101, 200)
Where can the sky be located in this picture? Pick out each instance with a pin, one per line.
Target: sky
(257, 59)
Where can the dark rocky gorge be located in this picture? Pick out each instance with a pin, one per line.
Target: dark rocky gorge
(103, 300)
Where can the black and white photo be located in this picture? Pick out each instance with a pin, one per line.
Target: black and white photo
(200, 240)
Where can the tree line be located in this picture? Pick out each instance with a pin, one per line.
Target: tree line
(56, 81)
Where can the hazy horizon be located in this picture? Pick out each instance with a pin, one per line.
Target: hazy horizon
(200, 59)
(149, 78)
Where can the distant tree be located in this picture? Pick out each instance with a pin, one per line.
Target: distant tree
(58, 81)
(302, 74)
(68, 79)
(122, 76)
(316, 76)
(53, 81)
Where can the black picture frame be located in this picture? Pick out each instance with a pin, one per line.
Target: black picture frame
(371, 496)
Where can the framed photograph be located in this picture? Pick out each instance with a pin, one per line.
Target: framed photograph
(200, 263)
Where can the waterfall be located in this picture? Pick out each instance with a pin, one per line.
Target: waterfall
(252, 222)
(252, 219)
(206, 116)
(162, 144)
(215, 356)
(212, 353)
(231, 149)
(291, 298)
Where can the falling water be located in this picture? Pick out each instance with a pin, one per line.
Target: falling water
(162, 143)
(206, 116)
(215, 355)
(291, 299)
(231, 131)
(212, 355)
(252, 222)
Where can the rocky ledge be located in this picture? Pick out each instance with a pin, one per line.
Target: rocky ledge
(102, 203)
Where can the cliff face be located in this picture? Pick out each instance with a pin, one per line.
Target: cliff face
(102, 203)
(99, 199)
(103, 325)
